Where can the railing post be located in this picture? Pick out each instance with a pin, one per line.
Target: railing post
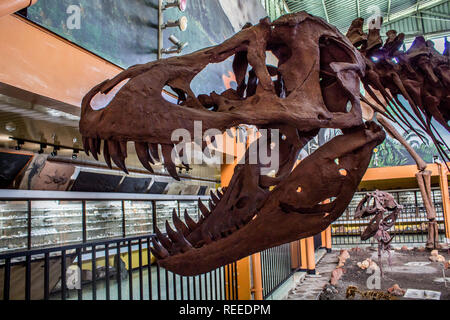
(443, 182)
(257, 277)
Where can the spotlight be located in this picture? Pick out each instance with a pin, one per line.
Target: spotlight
(181, 4)
(19, 144)
(42, 147)
(180, 23)
(75, 154)
(178, 46)
(55, 151)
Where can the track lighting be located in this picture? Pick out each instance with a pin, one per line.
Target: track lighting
(181, 4)
(43, 145)
(55, 151)
(41, 148)
(20, 142)
(180, 23)
(176, 48)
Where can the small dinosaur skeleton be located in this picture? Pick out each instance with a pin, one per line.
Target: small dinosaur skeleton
(378, 203)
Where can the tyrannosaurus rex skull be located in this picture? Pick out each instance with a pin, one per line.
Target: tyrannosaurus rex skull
(315, 85)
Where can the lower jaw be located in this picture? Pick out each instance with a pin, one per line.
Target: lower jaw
(271, 226)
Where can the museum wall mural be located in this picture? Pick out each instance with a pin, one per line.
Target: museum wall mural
(125, 32)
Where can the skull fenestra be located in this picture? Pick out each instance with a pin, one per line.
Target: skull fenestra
(315, 85)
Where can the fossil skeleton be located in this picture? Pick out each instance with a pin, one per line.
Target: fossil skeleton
(422, 76)
(378, 203)
(315, 85)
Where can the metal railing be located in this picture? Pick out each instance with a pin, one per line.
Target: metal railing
(411, 226)
(275, 268)
(105, 270)
(96, 266)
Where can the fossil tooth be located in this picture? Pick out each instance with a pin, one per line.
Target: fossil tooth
(143, 155)
(123, 147)
(179, 225)
(106, 154)
(214, 197)
(93, 147)
(116, 155)
(165, 241)
(219, 194)
(203, 209)
(178, 238)
(168, 163)
(153, 149)
(207, 237)
(158, 251)
(189, 221)
(86, 145)
(211, 205)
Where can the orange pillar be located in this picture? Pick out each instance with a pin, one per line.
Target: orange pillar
(443, 182)
(310, 256)
(303, 265)
(257, 277)
(328, 239)
(322, 239)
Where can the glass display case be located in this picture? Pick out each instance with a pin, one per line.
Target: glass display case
(56, 222)
(192, 209)
(13, 225)
(104, 219)
(164, 210)
(138, 217)
(30, 223)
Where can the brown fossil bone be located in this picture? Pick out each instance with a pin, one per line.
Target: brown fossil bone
(315, 85)
(377, 204)
(421, 75)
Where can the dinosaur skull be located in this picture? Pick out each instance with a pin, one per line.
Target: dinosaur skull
(315, 85)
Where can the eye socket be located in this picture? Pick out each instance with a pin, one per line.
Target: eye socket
(242, 202)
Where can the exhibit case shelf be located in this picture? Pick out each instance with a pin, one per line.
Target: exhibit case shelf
(35, 219)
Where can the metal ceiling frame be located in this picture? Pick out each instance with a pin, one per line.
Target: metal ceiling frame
(420, 11)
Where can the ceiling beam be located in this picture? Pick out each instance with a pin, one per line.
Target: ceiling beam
(326, 12)
(436, 14)
(411, 10)
(389, 11)
(286, 7)
(358, 9)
